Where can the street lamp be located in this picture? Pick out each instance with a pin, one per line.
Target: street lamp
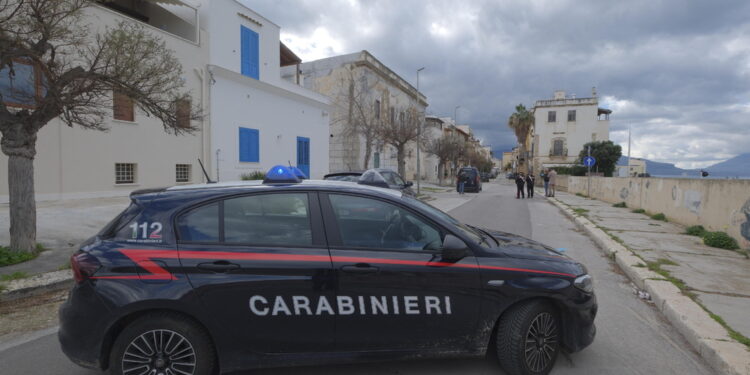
(419, 138)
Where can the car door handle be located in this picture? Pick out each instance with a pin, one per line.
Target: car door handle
(218, 266)
(360, 268)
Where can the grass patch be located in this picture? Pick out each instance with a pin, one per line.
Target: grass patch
(432, 189)
(580, 211)
(257, 175)
(582, 195)
(14, 276)
(732, 333)
(620, 205)
(696, 230)
(720, 240)
(666, 262)
(639, 211)
(639, 265)
(660, 216)
(8, 257)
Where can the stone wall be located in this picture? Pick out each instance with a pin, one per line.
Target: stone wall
(718, 205)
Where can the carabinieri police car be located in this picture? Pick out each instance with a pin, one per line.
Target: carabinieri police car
(217, 278)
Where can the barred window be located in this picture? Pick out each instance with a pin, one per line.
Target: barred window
(125, 173)
(183, 113)
(557, 147)
(551, 116)
(377, 109)
(182, 172)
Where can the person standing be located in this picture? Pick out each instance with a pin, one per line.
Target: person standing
(552, 182)
(520, 181)
(545, 177)
(530, 185)
(462, 178)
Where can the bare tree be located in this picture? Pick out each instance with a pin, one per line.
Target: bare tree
(446, 149)
(69, 72)
(399, 132)
(358, 108)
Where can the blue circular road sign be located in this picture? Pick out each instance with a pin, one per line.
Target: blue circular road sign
(589, 161)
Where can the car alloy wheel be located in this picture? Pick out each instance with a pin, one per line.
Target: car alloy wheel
(541, 342)
(159, 352)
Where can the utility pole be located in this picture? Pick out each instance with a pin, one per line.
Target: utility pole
(419, 139)
(589, 184)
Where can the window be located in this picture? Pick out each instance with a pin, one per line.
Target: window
(250, 57)
(200, 224)
(376, 160)
(125, 173)
(393, 178)
(393, 115)
(249, 145)
(572, 115)
(551, 116)
(123, 108)
(371, 223)
(557, 147)
(268, 219)
(182, 106)
(377, 109)
(182, 172)
(22, 89)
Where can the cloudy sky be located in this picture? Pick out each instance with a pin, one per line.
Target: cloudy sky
(677, 72)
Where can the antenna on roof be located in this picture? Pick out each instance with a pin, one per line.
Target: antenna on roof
(208, 179)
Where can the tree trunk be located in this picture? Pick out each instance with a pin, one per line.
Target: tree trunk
(20, 146)
(441, 166)
(401, 157)
(368, 152)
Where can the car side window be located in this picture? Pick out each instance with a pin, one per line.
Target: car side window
(268, 219)
(371, 223)
(200, 224)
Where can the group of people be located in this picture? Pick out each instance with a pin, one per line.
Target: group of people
(525, 184)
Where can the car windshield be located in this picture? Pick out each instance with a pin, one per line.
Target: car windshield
(472, 233)
(393, 178)
(345, 177)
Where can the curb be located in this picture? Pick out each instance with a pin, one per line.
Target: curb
(36, 285)
(704, 334)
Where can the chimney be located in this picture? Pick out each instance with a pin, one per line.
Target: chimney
(559, 94)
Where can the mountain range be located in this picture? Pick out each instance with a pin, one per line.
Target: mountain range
(738, 166)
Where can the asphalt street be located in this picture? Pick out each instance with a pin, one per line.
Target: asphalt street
(632, 338)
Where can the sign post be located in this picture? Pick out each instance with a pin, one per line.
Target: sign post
(589, 162)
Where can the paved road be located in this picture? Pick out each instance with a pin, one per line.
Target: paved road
(632, 336)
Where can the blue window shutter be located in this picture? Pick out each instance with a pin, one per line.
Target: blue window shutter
(250, 56)
(249, 145)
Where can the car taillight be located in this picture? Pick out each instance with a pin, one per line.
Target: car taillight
(83, 265)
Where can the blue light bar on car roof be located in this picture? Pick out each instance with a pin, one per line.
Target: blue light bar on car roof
(281, 174)
(298, 172)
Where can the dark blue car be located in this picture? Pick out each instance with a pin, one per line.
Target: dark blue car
(218, 278)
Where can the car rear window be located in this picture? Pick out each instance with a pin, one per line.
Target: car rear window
(114, 227)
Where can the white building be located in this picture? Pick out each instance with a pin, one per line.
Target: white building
(258, 120)
(378, 88)
(563, 125)
(254, 120)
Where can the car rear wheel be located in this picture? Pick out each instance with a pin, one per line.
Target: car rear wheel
(528, 339)
(162, 344)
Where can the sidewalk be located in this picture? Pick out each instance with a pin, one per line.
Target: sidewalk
(61, 227)
(717, 279)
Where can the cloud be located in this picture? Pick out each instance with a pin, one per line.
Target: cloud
(677, 73)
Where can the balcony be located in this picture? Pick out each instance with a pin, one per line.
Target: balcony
(171, 16)
(565, 102)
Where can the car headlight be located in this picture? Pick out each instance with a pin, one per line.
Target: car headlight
(584, 283)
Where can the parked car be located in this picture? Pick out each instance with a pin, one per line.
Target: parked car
(474, 184)
(485, 177)
(380, 177)
(222, 278)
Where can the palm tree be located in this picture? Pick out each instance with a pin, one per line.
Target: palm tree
(521, 122)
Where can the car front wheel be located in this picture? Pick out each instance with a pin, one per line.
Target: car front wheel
(528, 339)
(162, 344)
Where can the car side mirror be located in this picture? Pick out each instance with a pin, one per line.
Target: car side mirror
(408, 184)
(454, 248)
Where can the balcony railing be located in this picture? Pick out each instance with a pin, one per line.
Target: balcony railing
(171, 16)
(562, 102)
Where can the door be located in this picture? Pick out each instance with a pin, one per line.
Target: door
(260, 266)
(396, 292)
(303, 155)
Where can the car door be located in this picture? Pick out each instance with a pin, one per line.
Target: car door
(394, 290)
(259, 264)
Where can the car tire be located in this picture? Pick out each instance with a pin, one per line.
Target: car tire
(528, 339)
(163, 342)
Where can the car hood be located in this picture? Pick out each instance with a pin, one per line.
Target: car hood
(521, 247)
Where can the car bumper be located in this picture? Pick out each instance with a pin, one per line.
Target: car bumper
(578, 317)
(82, 328)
